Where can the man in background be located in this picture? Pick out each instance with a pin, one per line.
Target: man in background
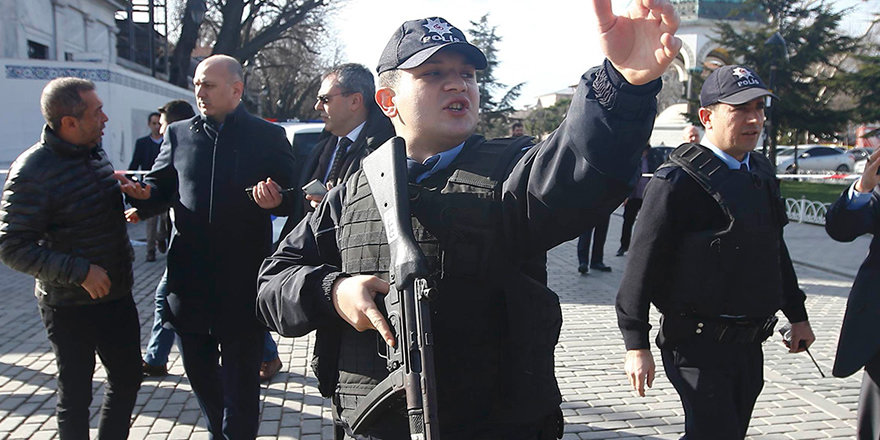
(354, 126)
(145, 151)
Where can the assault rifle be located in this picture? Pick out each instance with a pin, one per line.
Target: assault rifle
(411, 360)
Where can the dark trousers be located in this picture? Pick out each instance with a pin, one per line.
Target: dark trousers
(546, 429)
(630, 212)
(76, 333)
(718, 385)
(229, 395)
(583, 246)
(869, 401)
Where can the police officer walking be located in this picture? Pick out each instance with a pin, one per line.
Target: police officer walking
(483, 211)
(709, 253)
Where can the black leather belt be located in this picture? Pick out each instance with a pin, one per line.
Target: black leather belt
(733, 330)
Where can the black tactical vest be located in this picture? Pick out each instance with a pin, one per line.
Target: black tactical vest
(495, 323)
(734, 271)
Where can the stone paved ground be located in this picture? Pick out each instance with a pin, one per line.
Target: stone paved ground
(796, 402)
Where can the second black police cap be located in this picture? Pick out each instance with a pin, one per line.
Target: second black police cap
(416, 40)
(732, 85)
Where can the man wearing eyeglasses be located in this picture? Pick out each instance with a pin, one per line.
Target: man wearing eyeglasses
(353, 127)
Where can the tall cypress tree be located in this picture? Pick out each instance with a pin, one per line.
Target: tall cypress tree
(494, 114)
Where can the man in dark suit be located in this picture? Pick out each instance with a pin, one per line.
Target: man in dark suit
(857, 212)
(219, 171)
(145, 151)
(346, 102)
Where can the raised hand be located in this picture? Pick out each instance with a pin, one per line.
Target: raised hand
(642, 43)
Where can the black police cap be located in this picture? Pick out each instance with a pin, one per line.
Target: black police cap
(417, 40)
(732, 85)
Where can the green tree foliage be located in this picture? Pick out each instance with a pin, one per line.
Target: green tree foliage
(542, 121)
(815, 49)
(864, 86)
(494, 114)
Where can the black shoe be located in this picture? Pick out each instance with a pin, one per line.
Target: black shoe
(583, 269)
(621, 252)
(155, 370)
(151, 256)
(600, 267)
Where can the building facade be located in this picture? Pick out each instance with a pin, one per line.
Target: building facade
(45, 39)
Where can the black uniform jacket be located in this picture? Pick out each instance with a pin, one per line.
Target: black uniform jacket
(675, 204)
(62, 211)
(145, 152)
(859, 340)
(220, 236)
(376, 131)
(578, 174)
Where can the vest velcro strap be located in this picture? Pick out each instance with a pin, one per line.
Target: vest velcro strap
(365, 238)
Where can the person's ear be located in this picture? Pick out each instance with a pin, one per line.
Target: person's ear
(385, 99)
(357, 101)
(69, 123)
(238, 89)
(705, 117)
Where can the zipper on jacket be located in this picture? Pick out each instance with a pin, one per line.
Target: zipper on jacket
(213, 172)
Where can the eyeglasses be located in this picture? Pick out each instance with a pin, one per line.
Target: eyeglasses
(324, 99)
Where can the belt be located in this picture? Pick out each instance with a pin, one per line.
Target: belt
(734, 330)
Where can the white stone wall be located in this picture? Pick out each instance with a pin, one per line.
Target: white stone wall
(128, 98)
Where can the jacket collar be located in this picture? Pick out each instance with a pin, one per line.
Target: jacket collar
(237, 115)
(51, 140)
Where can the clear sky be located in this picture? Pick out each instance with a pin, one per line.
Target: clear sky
(547, 44)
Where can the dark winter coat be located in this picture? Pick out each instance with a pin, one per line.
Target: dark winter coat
(220, 236)
(858, 336)
(62, 211)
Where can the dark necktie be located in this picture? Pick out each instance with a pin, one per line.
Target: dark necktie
(415, 169)
(743, 167)
(336, 167)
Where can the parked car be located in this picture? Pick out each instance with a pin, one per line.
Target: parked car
(815, 158)
(303, 136)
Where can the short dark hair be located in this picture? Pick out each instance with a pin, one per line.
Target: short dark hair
(389, 78)
(354, 78)
(62, 97)
(150, 118)
(516, 124)
(177, 110)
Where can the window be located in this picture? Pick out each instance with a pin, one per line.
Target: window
(37, 51)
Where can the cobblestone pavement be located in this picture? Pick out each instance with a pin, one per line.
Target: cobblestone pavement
(796, 403)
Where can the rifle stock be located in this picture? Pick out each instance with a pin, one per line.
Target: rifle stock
(411, 360)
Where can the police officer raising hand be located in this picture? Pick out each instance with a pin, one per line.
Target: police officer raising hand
(484, 213)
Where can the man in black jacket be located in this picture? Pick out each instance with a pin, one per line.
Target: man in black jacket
(709, 253)
(482, 212)
(62, 222)
(221, 172)
(347, 104)
(145, 151)
(855, 213)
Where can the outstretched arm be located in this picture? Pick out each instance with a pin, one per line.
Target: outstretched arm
(642, 43)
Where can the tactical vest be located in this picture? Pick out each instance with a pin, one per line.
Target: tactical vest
(489, 366)
(736, 270)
